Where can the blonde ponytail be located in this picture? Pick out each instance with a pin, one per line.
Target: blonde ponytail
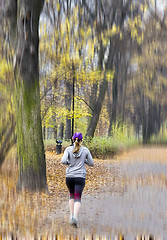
(77, 145)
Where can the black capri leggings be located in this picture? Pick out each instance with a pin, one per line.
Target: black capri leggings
(75, 187)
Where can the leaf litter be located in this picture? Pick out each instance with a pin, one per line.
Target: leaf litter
(30, 214)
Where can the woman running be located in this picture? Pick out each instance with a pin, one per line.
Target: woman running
(75, 157)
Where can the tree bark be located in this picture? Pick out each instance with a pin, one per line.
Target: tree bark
(32, 166)
(61, 131)
(102, 89)
(113, 115)
(94, 101)
(97, 109)
(68, 98)
(151, 121)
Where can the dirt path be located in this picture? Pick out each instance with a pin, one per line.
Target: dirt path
(134, 202)
(125, 196)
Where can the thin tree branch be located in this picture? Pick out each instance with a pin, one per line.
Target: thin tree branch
(86, 103)
(53, 84)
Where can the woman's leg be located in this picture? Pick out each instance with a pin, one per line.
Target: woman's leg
(77, 206)
(79, 186)
(71, 206)
(71, 188)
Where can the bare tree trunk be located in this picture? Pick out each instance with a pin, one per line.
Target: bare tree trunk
(61, 131)
(32, 166)
(151, 121)
(92, 100)
(97, 109)
(102, 89)
(68, 98)
(95, 101)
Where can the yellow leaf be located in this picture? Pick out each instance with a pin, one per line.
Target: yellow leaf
(58, 7)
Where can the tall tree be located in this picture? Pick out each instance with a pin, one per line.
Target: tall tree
(109, 18)
(23, 17)
(149, 80)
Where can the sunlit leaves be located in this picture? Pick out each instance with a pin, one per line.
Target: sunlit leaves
(67, 53)
(58, 6)
(6, 92)
(136, 27)
(109, 75)
(4, 69)
(6, 74)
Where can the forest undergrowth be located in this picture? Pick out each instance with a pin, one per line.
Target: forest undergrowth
(100, 147)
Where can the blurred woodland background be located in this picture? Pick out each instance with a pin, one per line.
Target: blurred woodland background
(94, 66)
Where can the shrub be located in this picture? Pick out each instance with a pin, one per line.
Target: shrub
(122, 139)
(102, 147)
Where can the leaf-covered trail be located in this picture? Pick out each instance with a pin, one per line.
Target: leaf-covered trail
(126, 195)
(29, 215)
(129, 197)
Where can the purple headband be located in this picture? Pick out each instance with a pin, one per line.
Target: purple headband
(77, 135)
